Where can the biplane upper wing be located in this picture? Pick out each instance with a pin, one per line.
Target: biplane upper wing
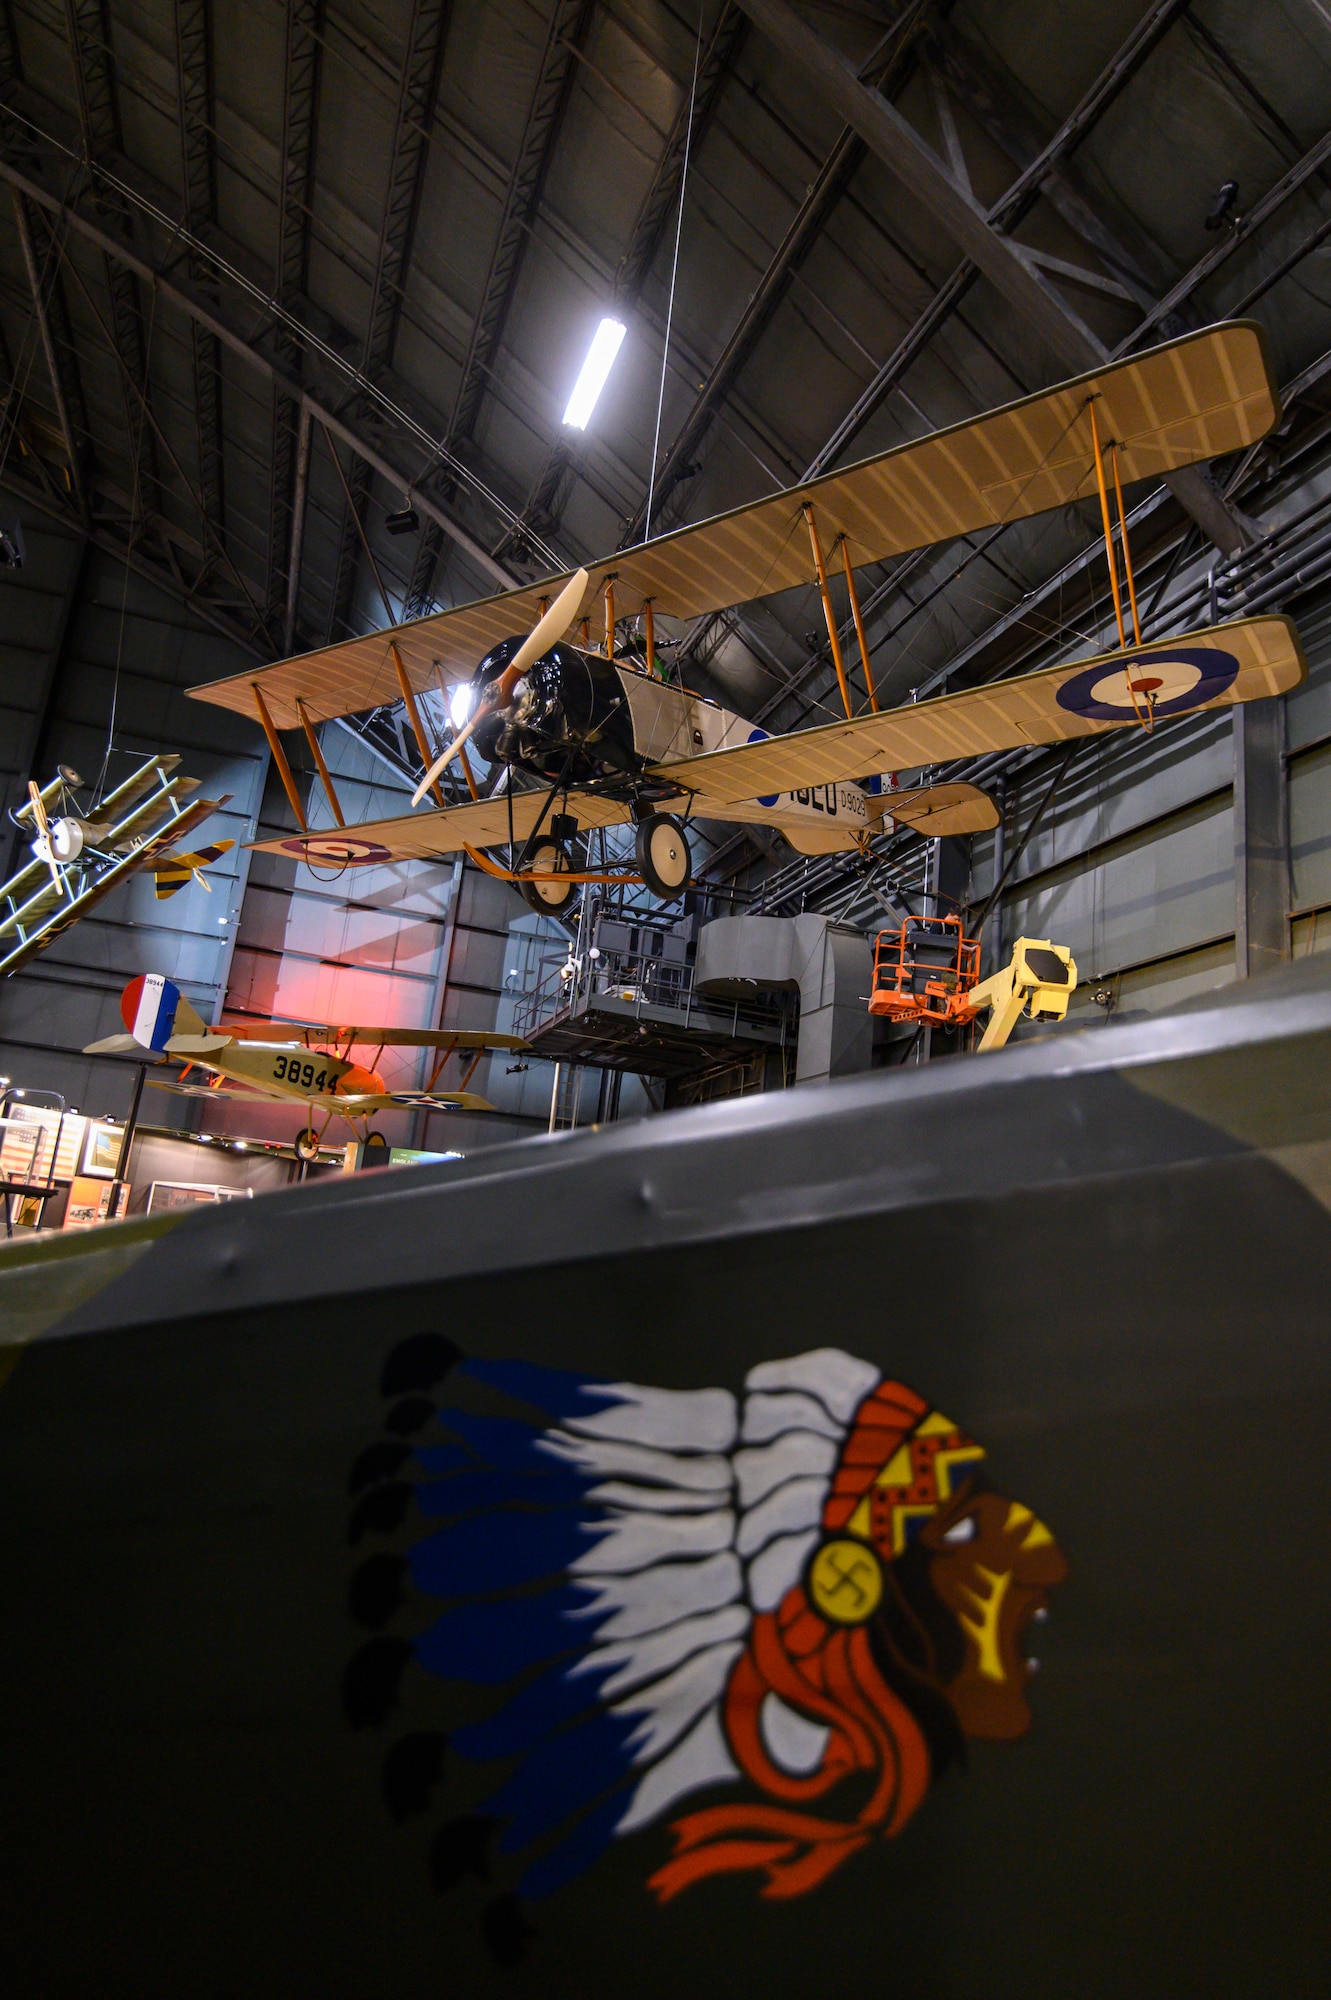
(1215, 668)
(428, 836)
(1196, 398)
(310, 1036)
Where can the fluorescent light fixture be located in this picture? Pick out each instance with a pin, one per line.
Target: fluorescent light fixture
(600, 360)
(459, 704)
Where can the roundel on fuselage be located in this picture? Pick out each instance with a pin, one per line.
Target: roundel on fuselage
(761, 736)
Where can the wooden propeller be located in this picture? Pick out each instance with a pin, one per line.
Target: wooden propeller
(544, 634)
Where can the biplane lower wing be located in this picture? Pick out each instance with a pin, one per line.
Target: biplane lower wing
(1216, 668)
(358, 1106)
(935, 810)
(432, 835)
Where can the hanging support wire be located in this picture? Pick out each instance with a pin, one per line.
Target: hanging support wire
(674, 274)
(1060, 772)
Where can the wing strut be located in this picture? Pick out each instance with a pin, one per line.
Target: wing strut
(280, 759)
(833, 638)
(318, 756)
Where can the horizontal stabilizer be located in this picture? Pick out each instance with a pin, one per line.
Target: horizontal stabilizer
(938, 811)
(114, 1045)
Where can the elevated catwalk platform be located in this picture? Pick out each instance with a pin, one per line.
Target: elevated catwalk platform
(634, 1004)
(611, 1563)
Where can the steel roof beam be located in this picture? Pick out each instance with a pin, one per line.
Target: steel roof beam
(55, 364)
(300, 103)
(408, 157)
(522, 197)
(829, 184)
(194, 86)
(178, 294)
(1002, 260)
(549, 495)
(964, 71)
(89, 35)
(50, 310)
(148, 545)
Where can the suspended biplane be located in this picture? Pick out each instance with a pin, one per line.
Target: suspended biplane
(292, 1062)
(600, 739)
(80, 853)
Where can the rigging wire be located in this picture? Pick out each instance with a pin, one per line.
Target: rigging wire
(135, 514)
(674, 273)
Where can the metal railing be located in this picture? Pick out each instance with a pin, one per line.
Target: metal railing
(639, 981)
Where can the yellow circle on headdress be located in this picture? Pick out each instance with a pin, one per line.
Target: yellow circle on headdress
(846, 1582)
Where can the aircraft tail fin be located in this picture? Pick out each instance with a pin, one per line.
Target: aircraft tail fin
(153, 1008)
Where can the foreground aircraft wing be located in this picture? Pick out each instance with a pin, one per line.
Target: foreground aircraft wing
(429, 835)
(1216, 668)
(1196, 398)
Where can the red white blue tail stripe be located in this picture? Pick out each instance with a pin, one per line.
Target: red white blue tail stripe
(148, 1008)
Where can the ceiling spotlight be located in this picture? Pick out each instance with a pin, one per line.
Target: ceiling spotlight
(404, 522)
(459, 704)
(606, 342)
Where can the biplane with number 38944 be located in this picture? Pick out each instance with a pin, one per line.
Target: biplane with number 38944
(578, 736)
(292, 1061)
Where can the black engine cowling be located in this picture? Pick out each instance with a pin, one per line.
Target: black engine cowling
(568, 719)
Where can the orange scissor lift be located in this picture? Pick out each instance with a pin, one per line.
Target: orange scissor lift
(924, 972)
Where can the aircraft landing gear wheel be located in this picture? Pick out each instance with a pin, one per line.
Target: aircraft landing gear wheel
(307, 1146)
(376, 1150)
(549, 898)
(664, 861)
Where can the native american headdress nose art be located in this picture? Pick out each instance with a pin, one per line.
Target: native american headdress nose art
(677, 1591)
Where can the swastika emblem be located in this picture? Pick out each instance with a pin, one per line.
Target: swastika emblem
(846, 1582)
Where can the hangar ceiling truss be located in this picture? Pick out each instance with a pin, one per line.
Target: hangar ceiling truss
(212, 256)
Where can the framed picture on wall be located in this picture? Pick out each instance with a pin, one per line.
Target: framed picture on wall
(101, 1150)
(189, 1194)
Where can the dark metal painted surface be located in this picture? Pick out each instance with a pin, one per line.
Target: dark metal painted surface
(1089, 1253)
(1110, 1100)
